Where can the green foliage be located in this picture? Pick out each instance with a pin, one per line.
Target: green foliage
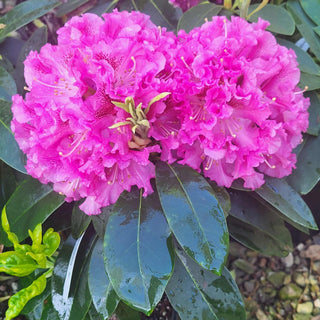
(24, 260)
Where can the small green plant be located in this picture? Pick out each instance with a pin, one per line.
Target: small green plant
(25, 259)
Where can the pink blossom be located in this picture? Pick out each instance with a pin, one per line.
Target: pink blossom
(240, 110)
(84, 124)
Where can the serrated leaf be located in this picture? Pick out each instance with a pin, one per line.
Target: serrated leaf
(8, 87)
(306, 63)
(250, 211)
(280, 20)
(30, 204)
(194, 214)
(38, 39)
(254, 239)
(287, 201)
(307, 174)
(311, 8)
(104, 298)
(24, 13)
(305, 26)
(197, 294)
(137, 258)
(197, 16)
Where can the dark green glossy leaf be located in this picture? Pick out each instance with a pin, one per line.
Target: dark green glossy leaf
(5, 112)
(70, 292)
(30, 204)
(79, 222)
(7, 85)
(160, 11)
(197, 16)
(306, 63)
(198, 294)
(24, 13)
(314, 113)
(252, 212)
(10, 152)
(124, 312)
(309, 81)
(137, 258)
(104, 6)
(305, 26)
(286, 200)
(38, 39)
(8, 183)
(194, 214)
(49, 313)
(222, 196)
(280, 20)
(254, 239)
(307, 174)
(100, 221)
(104, 298)
(69, 6)
(317, 30)
(311, 8)
(93, 314)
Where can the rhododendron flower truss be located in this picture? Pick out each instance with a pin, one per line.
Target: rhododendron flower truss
(241, 110)
(92, 100)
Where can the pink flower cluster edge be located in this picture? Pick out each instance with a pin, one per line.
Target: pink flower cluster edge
(118, 93)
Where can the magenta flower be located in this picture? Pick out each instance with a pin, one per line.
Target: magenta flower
(185, 4)
(240, 110)
(85, 124)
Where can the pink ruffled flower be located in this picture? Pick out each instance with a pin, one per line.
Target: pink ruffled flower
(85, 122)
(240, 110)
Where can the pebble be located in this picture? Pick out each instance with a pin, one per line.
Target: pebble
(316, 303)
(245, 266)
(299, 279)
(313, 252)
(290, 292)
(306, 307)
(261, 315)
(288, 260)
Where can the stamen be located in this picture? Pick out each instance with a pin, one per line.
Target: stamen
(302, 91)
(113, 174)
(77, 143)
(225, 28)
(267, 163)
(187, 66)
(49, 85)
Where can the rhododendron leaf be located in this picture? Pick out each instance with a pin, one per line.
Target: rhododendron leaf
(314, 113)
(124, 312)
(305, 26)
(222, 196)
(197, 16)
(8, 183)
(160, 11)
(24, 13)
(311, 8)
(8, 87)
(10, 152)
(30, 204)
(254, 238)
(69, 6)
(280, 20)
(194, 214)
(104, 298)
(194, 291)
(5, 112)
(250, 211)
(70, 292)
(307, 174)
(287, 201)
(105, 6)
(79, 222)
(317, 30)
(136, 230)
(309, 81)
(306, 63)
(38, 39)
